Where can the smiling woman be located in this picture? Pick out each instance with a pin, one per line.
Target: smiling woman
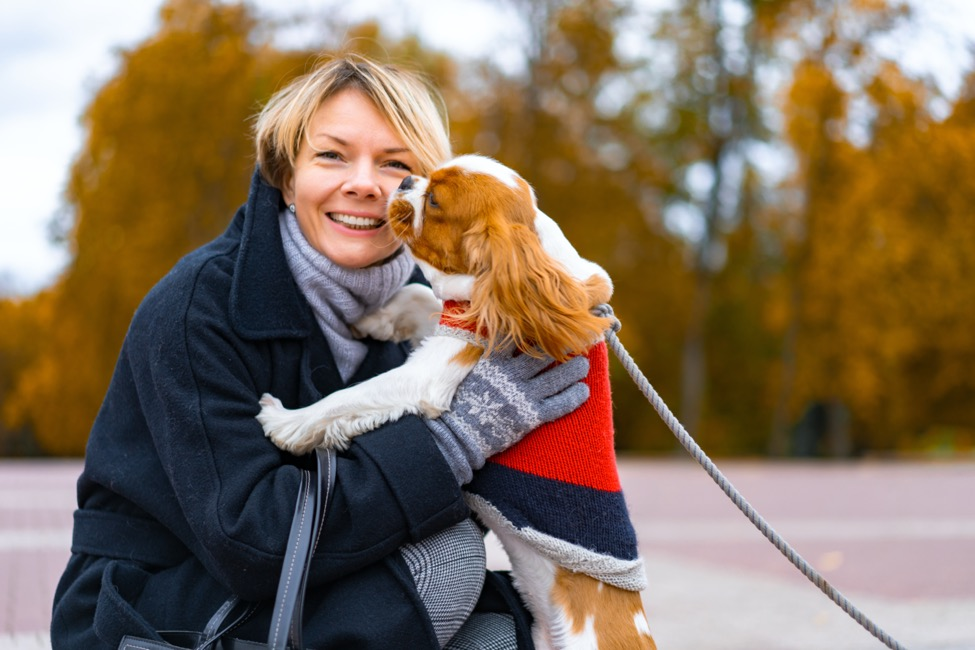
(183, 503)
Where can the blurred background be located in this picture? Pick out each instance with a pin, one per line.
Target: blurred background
(782, 191)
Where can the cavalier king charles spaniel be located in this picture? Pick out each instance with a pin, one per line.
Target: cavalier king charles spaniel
(502, 273)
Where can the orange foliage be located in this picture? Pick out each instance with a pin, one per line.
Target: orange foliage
(166, 162)
(847, 283)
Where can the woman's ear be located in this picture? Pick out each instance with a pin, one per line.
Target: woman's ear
(288, 189)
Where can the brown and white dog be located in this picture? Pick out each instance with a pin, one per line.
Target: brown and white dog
(512, 278)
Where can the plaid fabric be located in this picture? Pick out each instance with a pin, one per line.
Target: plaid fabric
(448, 570)
(486, 631)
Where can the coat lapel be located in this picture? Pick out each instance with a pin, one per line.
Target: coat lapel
(265, 302)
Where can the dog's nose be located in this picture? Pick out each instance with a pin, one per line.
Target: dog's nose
(407, 184)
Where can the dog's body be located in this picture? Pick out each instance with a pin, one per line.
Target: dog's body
(513, 279)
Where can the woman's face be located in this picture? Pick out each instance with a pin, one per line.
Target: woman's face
(341, 183)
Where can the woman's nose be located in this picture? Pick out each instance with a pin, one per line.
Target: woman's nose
(363, 182)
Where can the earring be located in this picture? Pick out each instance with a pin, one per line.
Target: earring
(292, 208)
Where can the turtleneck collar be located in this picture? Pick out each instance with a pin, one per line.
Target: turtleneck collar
(340, 296)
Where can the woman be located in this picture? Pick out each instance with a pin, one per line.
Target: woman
(183, 502)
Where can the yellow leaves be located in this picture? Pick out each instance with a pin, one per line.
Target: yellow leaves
(869, 5)
(815, 110)
(886, 271)
(863, 257)
(166, 163)
(37, 393)
(776, 312)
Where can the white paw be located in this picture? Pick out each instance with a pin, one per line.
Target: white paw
(294, 430)
(410, 315)
(376, 325)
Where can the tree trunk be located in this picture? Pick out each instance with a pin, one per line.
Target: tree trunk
(694, 360)
(779, 444)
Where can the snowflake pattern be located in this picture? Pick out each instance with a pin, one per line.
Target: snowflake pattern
(484, 408)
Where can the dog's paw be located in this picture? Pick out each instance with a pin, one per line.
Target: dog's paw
(284, 427)
(410, 315)
(377, 325)
(269, 403)
(298, 431)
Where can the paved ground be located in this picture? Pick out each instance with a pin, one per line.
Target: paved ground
(897, 539)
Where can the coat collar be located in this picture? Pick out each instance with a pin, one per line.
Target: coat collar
(265, 302)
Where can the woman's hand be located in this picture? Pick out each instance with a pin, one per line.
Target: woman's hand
(504, 397)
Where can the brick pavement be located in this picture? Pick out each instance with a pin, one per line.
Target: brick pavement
(36, 502)
(897, 539)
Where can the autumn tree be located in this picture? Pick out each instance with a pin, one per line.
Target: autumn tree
(712, 111)
(165, 163)
(21, 319)
(702, 115)
(827, 119)
(564, 122)
(887, 302)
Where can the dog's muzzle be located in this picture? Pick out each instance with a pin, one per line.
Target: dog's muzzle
(406, 185)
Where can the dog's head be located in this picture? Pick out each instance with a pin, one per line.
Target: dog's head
(475, 230)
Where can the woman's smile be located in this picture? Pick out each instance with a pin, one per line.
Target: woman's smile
(356, 222)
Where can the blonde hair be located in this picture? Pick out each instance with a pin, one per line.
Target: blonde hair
(413, 107)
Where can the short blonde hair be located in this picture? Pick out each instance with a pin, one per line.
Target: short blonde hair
(413, 107)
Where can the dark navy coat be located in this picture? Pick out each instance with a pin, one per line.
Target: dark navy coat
(183, 501)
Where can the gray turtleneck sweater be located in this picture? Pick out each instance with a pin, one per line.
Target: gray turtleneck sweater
(340, 296)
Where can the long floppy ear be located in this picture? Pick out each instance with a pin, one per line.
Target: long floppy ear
(522, 296)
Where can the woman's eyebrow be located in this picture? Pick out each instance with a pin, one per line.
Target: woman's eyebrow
(336, 139)
(344, 143)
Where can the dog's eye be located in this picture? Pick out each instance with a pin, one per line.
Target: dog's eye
(432, 202)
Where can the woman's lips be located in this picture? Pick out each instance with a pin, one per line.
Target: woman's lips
(355, 222)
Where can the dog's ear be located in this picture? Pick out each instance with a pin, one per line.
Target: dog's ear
(524, 297)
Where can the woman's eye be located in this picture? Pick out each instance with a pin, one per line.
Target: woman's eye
(329, 155)
(398, 164)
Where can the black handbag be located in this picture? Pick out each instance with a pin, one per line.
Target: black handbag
(286, 621)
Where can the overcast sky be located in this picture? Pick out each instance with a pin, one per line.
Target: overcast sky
(55, 53)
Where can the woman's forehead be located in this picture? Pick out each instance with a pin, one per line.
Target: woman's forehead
(349, 117)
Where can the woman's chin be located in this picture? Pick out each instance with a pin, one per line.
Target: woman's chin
(361, 253)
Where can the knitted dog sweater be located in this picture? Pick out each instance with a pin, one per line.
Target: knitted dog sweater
(558, 488)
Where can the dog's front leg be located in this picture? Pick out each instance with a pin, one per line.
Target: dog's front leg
(424, 385)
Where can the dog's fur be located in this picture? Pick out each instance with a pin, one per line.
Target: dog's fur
(476, 232)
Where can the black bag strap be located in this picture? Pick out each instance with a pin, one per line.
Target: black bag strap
(314, 494)
(221, 624)
(313, 499)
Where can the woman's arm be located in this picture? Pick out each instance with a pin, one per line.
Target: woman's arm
(198, 384)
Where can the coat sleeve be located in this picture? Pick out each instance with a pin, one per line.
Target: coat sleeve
(198, 385)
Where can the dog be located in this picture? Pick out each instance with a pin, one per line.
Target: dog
(502, 273)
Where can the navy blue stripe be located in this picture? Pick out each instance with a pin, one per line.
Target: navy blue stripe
(590, 518)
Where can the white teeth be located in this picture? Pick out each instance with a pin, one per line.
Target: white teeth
(360, 223)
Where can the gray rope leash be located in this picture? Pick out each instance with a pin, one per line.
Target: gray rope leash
(698, 454)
